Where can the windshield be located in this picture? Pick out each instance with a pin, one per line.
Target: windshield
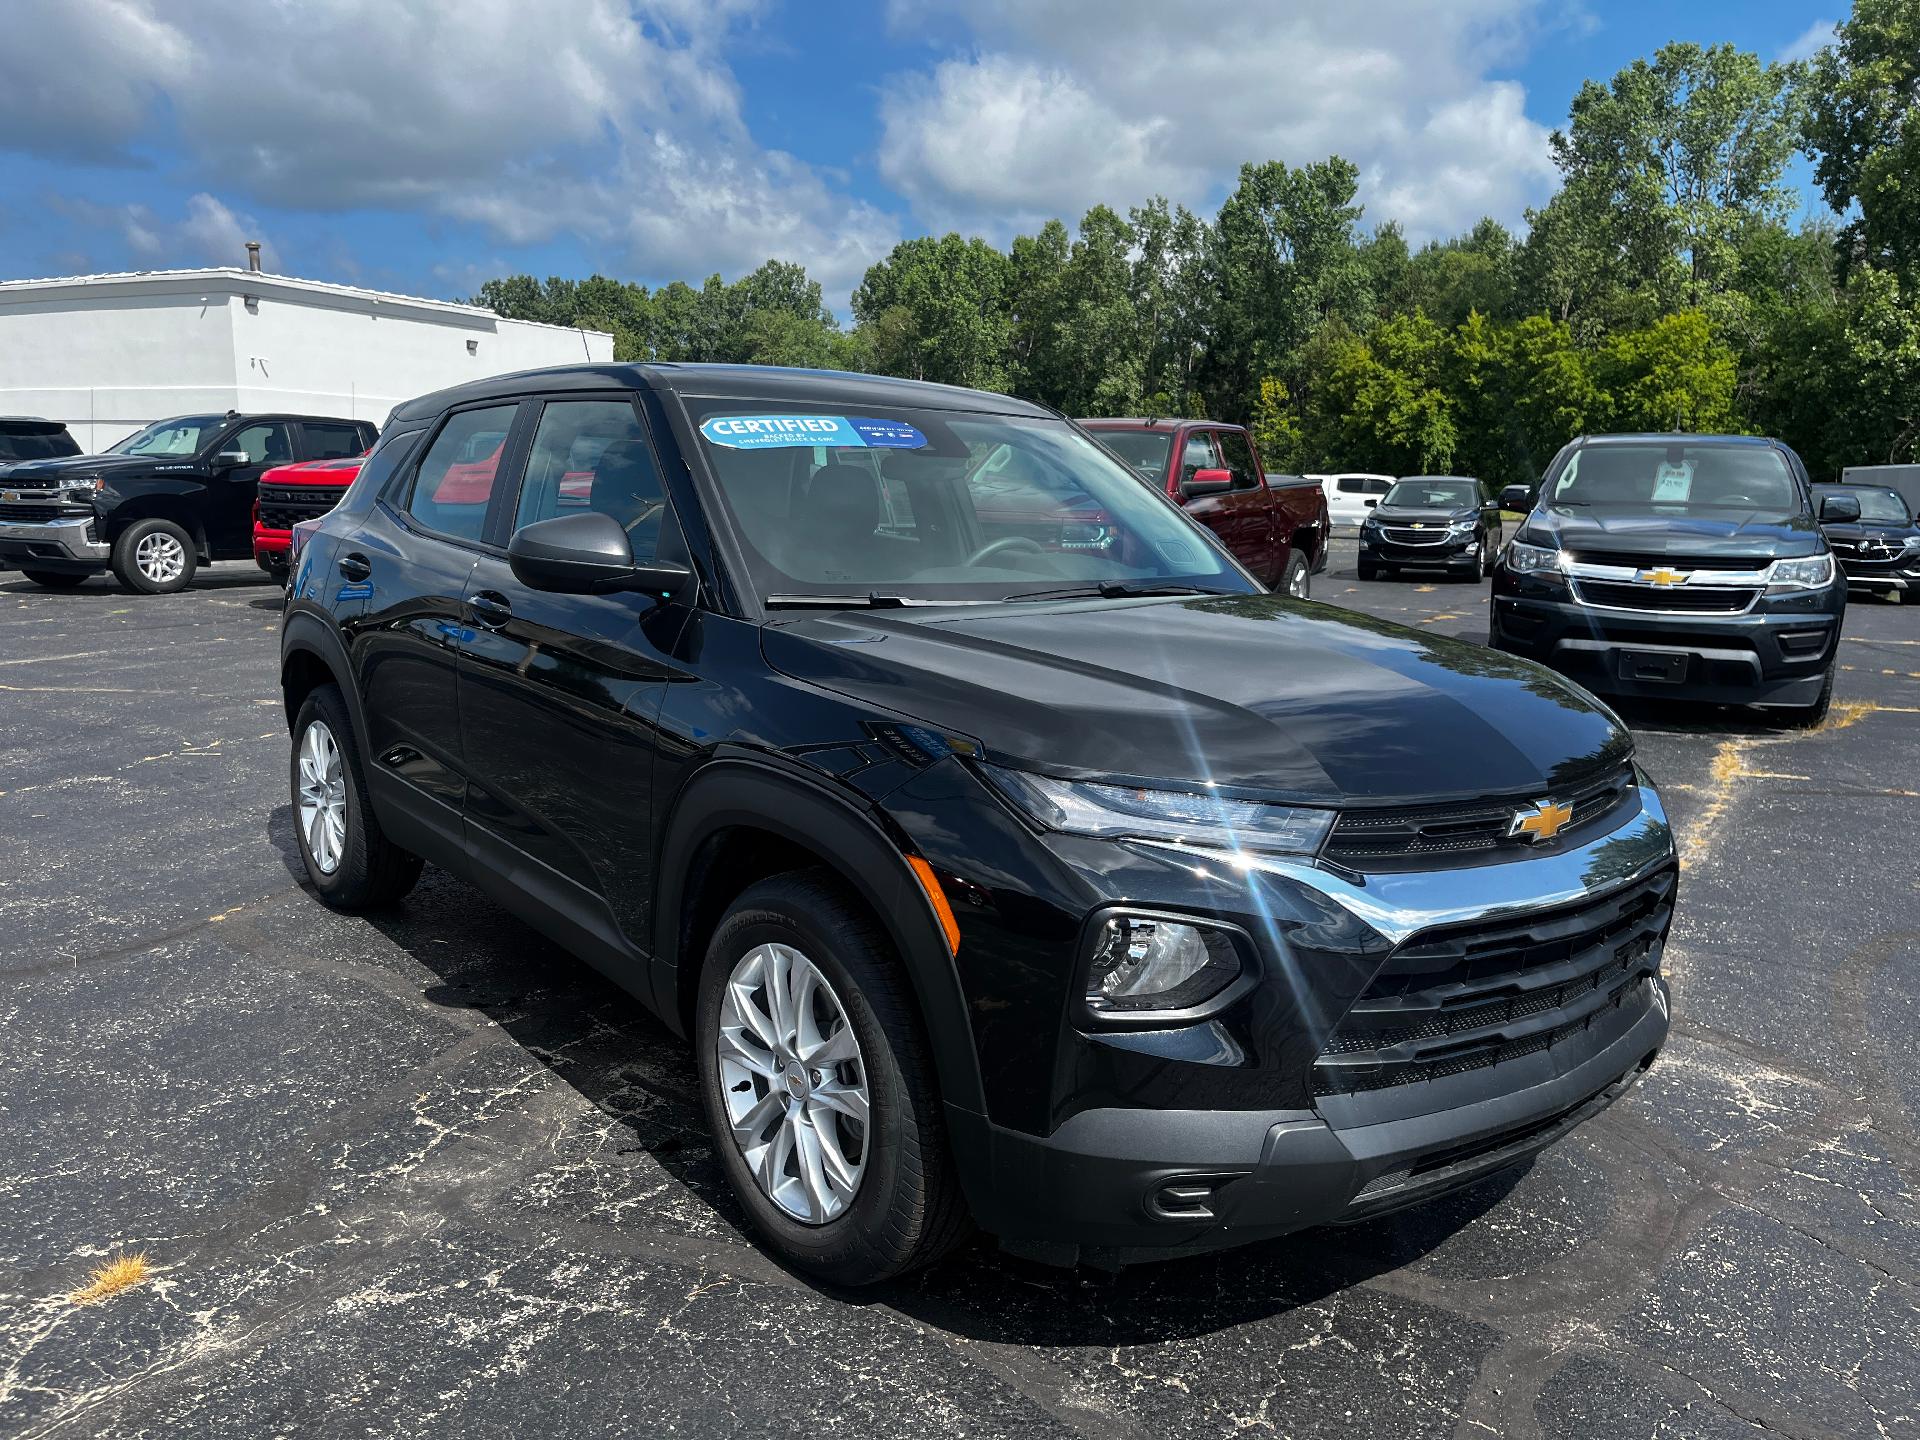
(941, 505)
(1678, 478)
(1145, 450)
(181, 436)
(1430, 492)
(1877, 507)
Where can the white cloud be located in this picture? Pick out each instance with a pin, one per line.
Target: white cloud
(1809, 42)
(1065, 102)
(618, 120)
(209, 232)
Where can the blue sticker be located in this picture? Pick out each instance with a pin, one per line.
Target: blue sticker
(836, 432)
(889, 434)
(356, 590)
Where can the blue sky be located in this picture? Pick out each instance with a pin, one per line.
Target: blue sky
(423, 147)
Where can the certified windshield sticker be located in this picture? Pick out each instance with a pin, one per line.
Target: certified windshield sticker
(1673, 481)
(773, 432)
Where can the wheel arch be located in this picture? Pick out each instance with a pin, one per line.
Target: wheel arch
(738, 821)
(312, 655)
(178, 508)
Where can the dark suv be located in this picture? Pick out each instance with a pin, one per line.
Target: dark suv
(1094, 894)
(1675, 566)
(170, 497)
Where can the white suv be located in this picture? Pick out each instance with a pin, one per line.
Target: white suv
(1351, 494)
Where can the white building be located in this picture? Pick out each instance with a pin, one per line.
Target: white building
(107, 354)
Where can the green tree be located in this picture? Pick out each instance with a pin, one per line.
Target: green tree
(938, 309)
(1864, 129)
(1671, 375)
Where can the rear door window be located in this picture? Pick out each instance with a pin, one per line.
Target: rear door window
(329, 441)
(456, 479)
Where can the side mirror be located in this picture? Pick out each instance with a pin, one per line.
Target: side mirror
(1207, 482)
(1371, 501)
(1839, 509)
(588, 554)
(1516, 497)
(230, 459)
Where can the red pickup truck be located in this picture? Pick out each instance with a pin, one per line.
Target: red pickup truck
(1275, 525)
(289, 494)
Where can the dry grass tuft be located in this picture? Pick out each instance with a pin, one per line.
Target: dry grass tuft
(123, 1272)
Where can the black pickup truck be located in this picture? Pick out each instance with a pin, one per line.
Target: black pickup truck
(163, 501)
(1675, 566)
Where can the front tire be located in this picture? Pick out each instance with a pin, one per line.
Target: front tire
(352, 864)
(55, 579)
(818, 1088)
(154, 557)
(1368, 570)
(1806, 717)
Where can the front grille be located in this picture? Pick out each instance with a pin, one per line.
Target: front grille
(40, 514)
(1419, 836)
(1463, 998)
(1401, 536)
(1856, 562)
(1694, 599)
(284, 506)
(1740, 564)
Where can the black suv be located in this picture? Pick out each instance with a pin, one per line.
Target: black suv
(1432, 522)
(1675, 566)
(163, 501)
(1095, 894)
(1874, 535)
(28, 437)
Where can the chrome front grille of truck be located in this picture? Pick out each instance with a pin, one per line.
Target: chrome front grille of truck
(1466, 997)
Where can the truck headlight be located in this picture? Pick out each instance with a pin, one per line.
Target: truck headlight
(1082, 807)
(1462, 527)
(1812, 573)
(84, 488)
(1143, 964)
(1534, 559)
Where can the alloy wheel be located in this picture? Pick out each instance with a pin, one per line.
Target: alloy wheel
(1298, 583)
(794, 1083)
(160, 557)
(323, 797)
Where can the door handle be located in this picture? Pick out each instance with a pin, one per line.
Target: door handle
(355, 567)
(489, 609)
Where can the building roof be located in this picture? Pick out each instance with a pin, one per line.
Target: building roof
(760, 383)
(234, 280)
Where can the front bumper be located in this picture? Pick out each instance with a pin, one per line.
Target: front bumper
(271, 549)
(1129, 1179)
(1775, 653)
(1454, 550)
(64, 544)
(1865, 575)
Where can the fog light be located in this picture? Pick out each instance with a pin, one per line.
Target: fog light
(1151, 964)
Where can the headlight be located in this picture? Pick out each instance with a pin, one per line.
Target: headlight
(84, 488)
(1152, 963)
(1532, 559)
(1811, 573)
(1912, 547)
(1080, 807)
(1462, 527)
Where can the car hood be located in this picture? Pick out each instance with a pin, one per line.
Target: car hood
(1408, 514)
(1734, 534)
(28, 474)
(1293, 700)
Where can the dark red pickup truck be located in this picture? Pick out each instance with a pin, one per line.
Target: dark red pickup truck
(1275, 525)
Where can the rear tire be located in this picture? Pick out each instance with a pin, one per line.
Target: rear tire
(1297, 579)
(350, 861)
(154, 557)
(904, 1208)
(55, 579)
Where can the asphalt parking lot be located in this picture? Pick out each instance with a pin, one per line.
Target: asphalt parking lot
(426, 1174)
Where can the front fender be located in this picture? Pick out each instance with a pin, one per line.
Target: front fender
(851, 842)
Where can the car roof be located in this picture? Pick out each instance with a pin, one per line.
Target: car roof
(1150, 422)
(843, 388)
(31, 422)
(1676, 437)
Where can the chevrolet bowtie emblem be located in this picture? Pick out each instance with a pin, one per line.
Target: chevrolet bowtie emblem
(1419, 524)
(1545, 820)
(1663, 576)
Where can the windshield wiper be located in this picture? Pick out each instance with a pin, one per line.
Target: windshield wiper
(872, 600)
(1114, 590)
